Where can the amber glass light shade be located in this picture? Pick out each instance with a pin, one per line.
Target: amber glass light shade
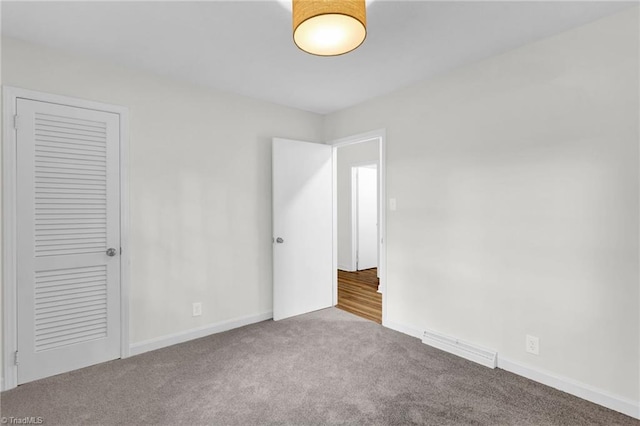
(329, 27)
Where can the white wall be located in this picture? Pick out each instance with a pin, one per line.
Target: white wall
(516, 181)
(200, 176)
(365, 152)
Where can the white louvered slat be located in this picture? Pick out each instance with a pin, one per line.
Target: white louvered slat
(70, 141)
(84, 337)
(88, 155)
(70, 306)
(73, 130)
(44, 153)
(71, 210)
(71, 188)
(64, 227)
(79, 284)
(66, 177)
(48, 124)
(66, 195)
(68, 319)
(81, 142)
(89, 247)
(72, 216)
(65, 272)
(79, 312)
(70, 223)
(70, 229)
(69, 277)
(49, 203)
(71, 167)
(52, 339)
(49, 159)
(71, 147)
(70, 298)
(69, 241)
(68, 235)
(63, 329)
(67, 119)
(71, 320)
(69, 245)
(71, 303)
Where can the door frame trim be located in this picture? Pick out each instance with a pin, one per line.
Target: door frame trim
(381, 136)
(10, 95)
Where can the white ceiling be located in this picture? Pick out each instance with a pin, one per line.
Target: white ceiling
(246, 47)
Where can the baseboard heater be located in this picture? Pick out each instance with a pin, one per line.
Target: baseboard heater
(486, 357)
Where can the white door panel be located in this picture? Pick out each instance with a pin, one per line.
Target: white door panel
(303, 220)
(367, 216)
(67, 217)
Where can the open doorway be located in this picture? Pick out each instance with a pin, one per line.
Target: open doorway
(305, 224)
(358, 188)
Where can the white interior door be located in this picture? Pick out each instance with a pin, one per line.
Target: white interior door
(302, 227)
(68, 204)
(367, 214)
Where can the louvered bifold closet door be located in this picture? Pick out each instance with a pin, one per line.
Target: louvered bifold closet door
(68, 215)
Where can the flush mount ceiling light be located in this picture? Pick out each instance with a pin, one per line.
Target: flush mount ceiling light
(329, 27)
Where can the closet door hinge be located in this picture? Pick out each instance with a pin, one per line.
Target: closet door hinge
(16, 361)
(15, 121)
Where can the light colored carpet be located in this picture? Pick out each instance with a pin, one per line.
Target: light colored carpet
(327, 367)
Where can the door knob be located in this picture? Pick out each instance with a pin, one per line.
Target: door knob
(279, 240)
(111, 252)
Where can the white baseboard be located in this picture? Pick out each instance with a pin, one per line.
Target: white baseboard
(581, 390)
(195, 333)
(348, 268)
(413, 332)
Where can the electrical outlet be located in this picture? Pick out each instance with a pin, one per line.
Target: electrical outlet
(532, 345)
(197, 309)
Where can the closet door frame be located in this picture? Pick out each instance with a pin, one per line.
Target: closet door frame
(10, 97)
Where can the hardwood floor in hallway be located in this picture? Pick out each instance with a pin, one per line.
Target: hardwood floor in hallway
(358, 294)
